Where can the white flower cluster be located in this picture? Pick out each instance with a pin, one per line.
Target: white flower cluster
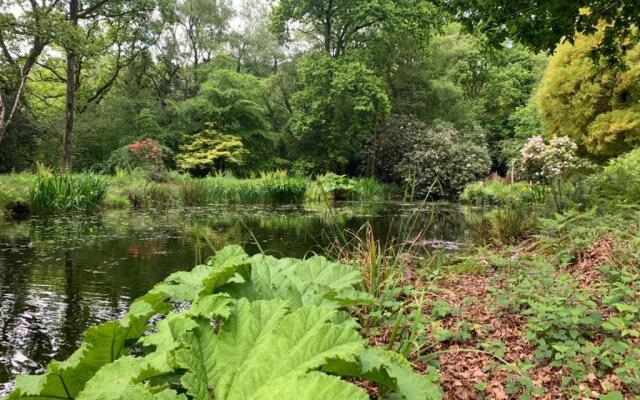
(542, 162)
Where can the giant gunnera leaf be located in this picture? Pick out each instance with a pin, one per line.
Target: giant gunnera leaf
(313, 281)
(102, 345)
(262, 349)
(256, 328)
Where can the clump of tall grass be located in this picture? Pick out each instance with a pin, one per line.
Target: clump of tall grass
(505, 224)
(368, 189)
(154, 195)
(272, 187)
(494, 192)
(66, 192)
(14, 189)
(194, 192)
(281, 188)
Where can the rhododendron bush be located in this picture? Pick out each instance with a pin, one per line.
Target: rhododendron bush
(436, 161)
(543, 162)
(147, 155)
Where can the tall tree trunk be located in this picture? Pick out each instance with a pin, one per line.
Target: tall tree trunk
(71, 91)
(327, 27)
(1, 117)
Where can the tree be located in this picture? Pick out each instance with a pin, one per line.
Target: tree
(336, 25)
(543, 24)
(23, 37)
(121, 30)
(253, 45)
(205, 24)
(337, 107)
(235, 104)
(589, 101)
(211, 150)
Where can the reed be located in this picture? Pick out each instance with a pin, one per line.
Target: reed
(66, 192)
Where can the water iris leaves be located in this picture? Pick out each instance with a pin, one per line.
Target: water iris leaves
(246, 328)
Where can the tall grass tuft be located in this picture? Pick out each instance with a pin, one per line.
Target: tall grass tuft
(66, 192)
(506, 224)
(154, 195)
(280, 188)
(194, 192)
(272, 187)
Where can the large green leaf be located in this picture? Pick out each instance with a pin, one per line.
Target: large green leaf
(204, 279)
(390, 370)
(102, 345)
(258, 328)
(263, 348)
(314, 281)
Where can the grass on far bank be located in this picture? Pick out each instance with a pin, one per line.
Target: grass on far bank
(46, 192)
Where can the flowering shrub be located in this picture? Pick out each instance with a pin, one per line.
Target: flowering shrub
(544, 162)
(146, 155)
(437, 162)
(147, 149)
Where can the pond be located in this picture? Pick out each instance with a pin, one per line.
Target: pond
(60, 275)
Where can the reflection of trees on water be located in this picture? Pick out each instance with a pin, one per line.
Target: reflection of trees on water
(62, 275)
(72, 321)
(13, 294)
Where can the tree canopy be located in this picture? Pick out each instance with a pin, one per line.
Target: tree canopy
(305, 85)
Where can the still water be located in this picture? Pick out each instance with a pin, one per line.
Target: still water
(60, 275)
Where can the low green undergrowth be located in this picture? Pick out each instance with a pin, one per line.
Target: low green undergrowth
(495, 193)
(241, 328)
(331, 187)
(14, 188)
(590, 331)
(269, 188)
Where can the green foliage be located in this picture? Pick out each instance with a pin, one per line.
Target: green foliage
(442, 163)
(255, 328)
(337, 28)
(434, 162)
(331, 187)
(618, 181)
(494, 192)
(584, 329)
(153, 195)
(592, 103)
(209, 151)
(554, 22)
(275, 187)
(510, 222)
(14, 188)
(53, 193)
(231, 112)
(335, 110)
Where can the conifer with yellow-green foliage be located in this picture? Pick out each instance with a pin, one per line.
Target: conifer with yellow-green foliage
(595, 104)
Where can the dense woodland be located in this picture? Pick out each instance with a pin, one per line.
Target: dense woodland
(374, 88)
(278, 115)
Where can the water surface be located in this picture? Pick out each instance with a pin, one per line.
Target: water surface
(60, 275)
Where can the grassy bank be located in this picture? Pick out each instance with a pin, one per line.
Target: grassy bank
(552, 316)
(46, 192)
(544, 305)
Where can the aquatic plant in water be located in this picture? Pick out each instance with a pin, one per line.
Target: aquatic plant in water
(245, 328)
